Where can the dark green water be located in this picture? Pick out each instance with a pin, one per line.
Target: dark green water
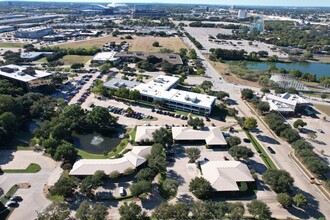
(320, 69)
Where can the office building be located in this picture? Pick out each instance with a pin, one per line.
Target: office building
(34, 33)
(242, 14)
(25, 77)
(162, 89)
(287, 104)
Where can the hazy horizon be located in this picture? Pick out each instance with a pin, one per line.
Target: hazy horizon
(292, 3)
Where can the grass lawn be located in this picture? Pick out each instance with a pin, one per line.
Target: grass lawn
(4, 212)
(145, 44)
(86, 155)
(32, 168)
(123, 143)
(268, 162)
(323, 108)
(55, 198)
(42, 60)
(71, 59)
(11, 45)
(136, 44)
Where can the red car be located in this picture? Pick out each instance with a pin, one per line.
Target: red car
(225, 158)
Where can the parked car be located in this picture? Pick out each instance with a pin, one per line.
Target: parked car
(122, 191)
(225, 157)
(11, 204)
(271, 150)
(16, 198)
(246, 140)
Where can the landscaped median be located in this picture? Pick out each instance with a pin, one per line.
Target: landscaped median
(32, 168)
(268, 162)
(5, 212)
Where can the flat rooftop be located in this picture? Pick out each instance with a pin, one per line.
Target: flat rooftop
(156, 86)
(104, 56)
(32, 55)
(17, 72)
(191, 98)
(116, 83)
(170, 57)
(33, 29)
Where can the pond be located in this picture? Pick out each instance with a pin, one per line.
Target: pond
(320, 69)
(95, 143)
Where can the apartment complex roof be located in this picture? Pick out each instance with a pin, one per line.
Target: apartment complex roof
(224, 175)
(284, 102)
(131, 159)
(211, 135)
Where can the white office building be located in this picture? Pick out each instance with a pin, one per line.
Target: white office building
(162, 89)
(286, 104)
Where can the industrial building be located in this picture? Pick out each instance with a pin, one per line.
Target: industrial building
(34, 33)
(33, 19)
(34, 55)
(6, 29)
(25, 77)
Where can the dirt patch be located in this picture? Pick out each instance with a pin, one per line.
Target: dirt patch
(223, 70)
(23, 185)
(323, 108)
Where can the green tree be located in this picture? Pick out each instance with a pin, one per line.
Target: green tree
(284, 199)
(201, 210)
(247, 94)
(250, 123)
(193, 154)
(65, 187)
(100, 119)
(233, 141)
(163, 137)
(145, 174)
(279, 180)
(324, 96)
(179, 210)
(140, 187)
(88, 211)
(66, 152)
(299, 123)
(83, 211)
(157, 163)
(130, 211)
(265, 90)
(134, 95)
(129, 171)
(240, 152)
(300, 200)
(170, 186)
(55, 211)
(236, 210)
(259, 209)
(222, 94)
(196, 122)
(206, 85)
(77, 65)
(200, 187)
(263, 107)
(218, 209)
(114, 175)
(192, 54)
(156, 44)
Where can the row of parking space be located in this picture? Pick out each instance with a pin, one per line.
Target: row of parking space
(158, 111)
(129, 113)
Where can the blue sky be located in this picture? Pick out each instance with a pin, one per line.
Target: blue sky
(325, 3)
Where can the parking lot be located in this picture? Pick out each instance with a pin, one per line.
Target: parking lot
(33, 197)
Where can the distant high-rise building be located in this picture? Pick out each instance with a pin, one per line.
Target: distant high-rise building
(257, 24)
(242, 14)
